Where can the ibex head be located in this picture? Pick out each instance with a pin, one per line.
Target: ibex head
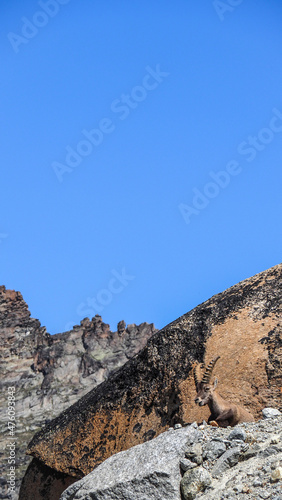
(203, 387)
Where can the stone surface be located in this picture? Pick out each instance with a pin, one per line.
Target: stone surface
(276, 475)
(146, 471)
(227, 460)
(186, 464)
(49, 373)
(195, 481)
(214, 449)
(270, 412)
(251, 479)
(194, 453)
(155, 389)
(237, 433)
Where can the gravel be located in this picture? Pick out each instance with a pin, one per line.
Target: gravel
(244, 462)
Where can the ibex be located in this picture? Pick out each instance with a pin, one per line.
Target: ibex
(223, 413)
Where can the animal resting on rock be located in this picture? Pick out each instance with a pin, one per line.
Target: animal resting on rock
(223, 413)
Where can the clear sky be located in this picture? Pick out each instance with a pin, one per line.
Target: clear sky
(141, 161)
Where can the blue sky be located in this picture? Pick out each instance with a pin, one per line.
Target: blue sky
(141, 154)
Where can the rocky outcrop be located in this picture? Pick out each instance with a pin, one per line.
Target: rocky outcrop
(221, 463)
(50, 372)
(150, 470)
(155, 389)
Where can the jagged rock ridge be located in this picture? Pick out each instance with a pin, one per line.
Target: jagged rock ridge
(50, 372)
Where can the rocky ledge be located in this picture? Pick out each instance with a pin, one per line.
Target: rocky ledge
(194, 462)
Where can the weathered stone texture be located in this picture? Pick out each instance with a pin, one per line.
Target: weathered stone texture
(50, 372)
(146, 471)
(46, 482)
(155, 389)
(228, 468)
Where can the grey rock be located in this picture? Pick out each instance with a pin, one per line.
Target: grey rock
(276, 475)
(275, 439)
(195, 481)
(270, 412)
(270, 450)
(227, 460)
(177, 426)
(214, 449)
(237, 433)
(252, 451)
(264, 494)
(194, 425)
(257, 483)
(243, 446)
(186, 464)
(238, 488)
(148, 471)
(194, 435)
(195, 453)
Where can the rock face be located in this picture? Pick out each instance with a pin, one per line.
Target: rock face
(49, 373)
(148, 471)
(155, 389)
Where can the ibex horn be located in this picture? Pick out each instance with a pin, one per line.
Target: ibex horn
(208, 373)
(195, 373)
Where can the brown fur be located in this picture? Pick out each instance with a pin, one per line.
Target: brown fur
(223, 412)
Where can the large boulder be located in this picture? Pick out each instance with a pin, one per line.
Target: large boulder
(148, 470)
(155, 389)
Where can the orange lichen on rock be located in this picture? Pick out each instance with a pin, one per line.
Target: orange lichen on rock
(155, 389)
